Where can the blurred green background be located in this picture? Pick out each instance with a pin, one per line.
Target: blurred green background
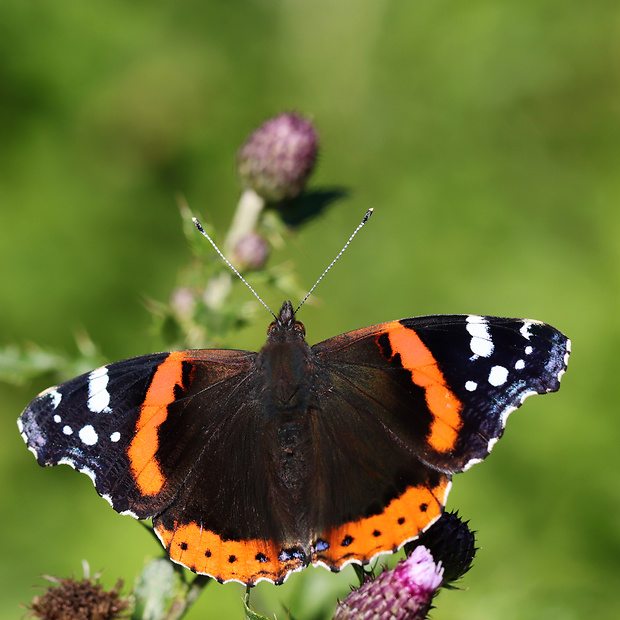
(486, 135)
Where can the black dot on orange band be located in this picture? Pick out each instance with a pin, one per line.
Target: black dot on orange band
(261, 557)
(346, 541)
(423, 507)
(376, 533)
(183, 546)
(401, 520)
(384, 345)
(207, 553)
(232, 558)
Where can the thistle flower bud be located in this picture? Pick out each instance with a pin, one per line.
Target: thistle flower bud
(251, 252)
(403, 593)
(277, 159)
(79, 600)
(451, 542)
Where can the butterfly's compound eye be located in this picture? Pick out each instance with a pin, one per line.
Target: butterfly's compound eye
(299, 327)
(271, 327)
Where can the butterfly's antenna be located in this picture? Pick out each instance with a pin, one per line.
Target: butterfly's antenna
(201, 230)
(346, 245)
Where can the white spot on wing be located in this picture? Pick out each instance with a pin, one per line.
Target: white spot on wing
(67, 430)
(57, 419)
(56, 397)
(88, 435)
(525, 329)
(470, 386)
(114, 437)
(498, 376)
(54, 394)
(519, 364)
(98, 395)
(528, 350)
(481, 343)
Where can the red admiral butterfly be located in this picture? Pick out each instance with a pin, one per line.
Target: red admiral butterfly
(255, 465)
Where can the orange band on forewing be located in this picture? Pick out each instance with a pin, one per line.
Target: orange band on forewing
(442, 402)
(153, 413)
(204, 552)
(403, 519)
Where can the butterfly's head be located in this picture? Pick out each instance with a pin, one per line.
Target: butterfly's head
(285, 323)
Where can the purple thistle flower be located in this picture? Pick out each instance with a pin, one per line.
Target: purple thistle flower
(277, 159)
(403, 593)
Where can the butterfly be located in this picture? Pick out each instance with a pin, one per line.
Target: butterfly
(253, 465)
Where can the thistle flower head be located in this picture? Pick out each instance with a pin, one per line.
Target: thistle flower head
(403, 593)
(86, 599)
(277, 159)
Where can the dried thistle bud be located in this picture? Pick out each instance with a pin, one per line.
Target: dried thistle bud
(451, 542)
(403, 593)
(251, 252)
(277, 159)
(79, 600)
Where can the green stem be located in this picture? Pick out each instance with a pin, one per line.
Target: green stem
(182, 605)
(245, 219)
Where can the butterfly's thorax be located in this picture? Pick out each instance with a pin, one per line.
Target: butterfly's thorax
(285, 372)
(285, 368)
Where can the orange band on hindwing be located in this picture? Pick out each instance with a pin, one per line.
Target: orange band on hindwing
(246, 561)
(154, 411)
(403, 519)
(442, 402)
